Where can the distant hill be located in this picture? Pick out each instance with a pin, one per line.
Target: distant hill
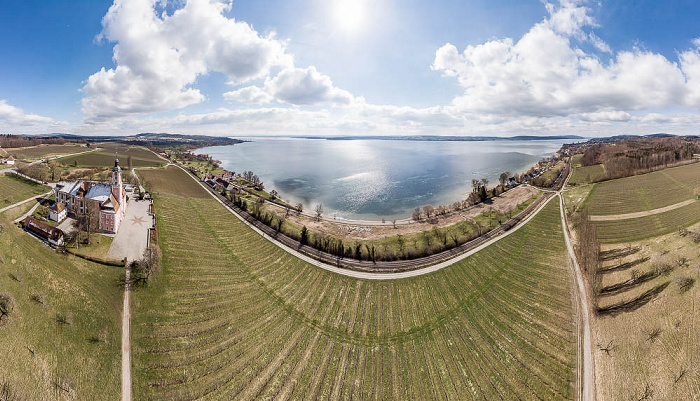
(447, 138)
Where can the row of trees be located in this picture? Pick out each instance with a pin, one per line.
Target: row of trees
(19, 141)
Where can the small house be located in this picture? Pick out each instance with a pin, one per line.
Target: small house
(43, 231)
(10, 160)
(58, 211)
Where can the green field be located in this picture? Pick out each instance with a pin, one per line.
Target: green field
(644, 192)
(38, 152)
(586, 175)
(231, 315)
(649, 226)
(61, 340)
(140, 157)
(15, 189)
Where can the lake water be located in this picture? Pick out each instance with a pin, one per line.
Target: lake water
(375, 179)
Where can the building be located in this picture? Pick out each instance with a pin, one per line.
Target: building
(106, 201)
(9, 160)
(43, 231)
(58, 211)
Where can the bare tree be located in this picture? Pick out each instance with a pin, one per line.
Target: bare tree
(503, 178)
(319, 211)
(428, 210)
(299, 207)
(394, 223)
(416, 214)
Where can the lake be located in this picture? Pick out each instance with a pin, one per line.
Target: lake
(375, 179)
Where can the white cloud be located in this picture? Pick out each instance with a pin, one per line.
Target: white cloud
(249, 94)
(11, 116)
(296, 86)
(305, 86)
(544, 74)
(159, 57)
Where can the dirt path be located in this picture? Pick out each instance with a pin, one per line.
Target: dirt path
(586, 373)
(126, 342)
(641, 214)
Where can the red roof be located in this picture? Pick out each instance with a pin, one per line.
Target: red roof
(58, 207)
(42, 229)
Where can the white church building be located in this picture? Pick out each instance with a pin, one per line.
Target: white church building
(106, 200)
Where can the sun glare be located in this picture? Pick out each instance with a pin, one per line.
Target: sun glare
(350, 15)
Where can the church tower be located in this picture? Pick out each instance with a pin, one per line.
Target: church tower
(117, 182)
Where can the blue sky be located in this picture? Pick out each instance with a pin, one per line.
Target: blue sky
(341, 67)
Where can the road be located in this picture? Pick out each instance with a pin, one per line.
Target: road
(587, 372)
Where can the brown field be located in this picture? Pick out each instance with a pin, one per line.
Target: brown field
(173, 181)
(655, 346)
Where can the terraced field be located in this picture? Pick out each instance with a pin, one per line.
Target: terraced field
(140, 157)
(231, 315)
(14, 189)
(61, 337)
(644, 192)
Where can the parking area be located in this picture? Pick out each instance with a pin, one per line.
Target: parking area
(132, 238)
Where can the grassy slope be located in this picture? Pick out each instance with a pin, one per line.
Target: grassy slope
(14, 189)
(585, 175)
(232, 315)
(63, 354)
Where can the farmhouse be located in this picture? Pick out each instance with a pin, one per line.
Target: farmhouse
(58, 211)
(106, 200)
(9, 160)
(43, 231)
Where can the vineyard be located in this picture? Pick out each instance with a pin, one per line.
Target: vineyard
(140, 157)
(231, 315)
(644, 192)
(60, 323)
(38, 152)
(649, 226)
(14, 189)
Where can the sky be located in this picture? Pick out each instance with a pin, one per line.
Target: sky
(350, 67)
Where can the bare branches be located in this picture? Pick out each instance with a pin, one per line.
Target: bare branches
(608, 348)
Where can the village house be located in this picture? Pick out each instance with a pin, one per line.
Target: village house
(107, 200)
(9, 160)
(43, 231)
(58, 212)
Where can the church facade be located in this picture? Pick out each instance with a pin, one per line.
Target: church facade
(105, 201)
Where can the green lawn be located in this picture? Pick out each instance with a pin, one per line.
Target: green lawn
(62, 338)
(231, 315)
(14, 188)
(586, 175)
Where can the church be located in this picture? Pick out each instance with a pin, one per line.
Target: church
(106, 200)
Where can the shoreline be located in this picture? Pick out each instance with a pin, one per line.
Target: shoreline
(403, 219)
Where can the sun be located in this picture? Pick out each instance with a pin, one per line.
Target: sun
(350, 15)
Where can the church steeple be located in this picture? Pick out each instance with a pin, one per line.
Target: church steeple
(117, 181)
